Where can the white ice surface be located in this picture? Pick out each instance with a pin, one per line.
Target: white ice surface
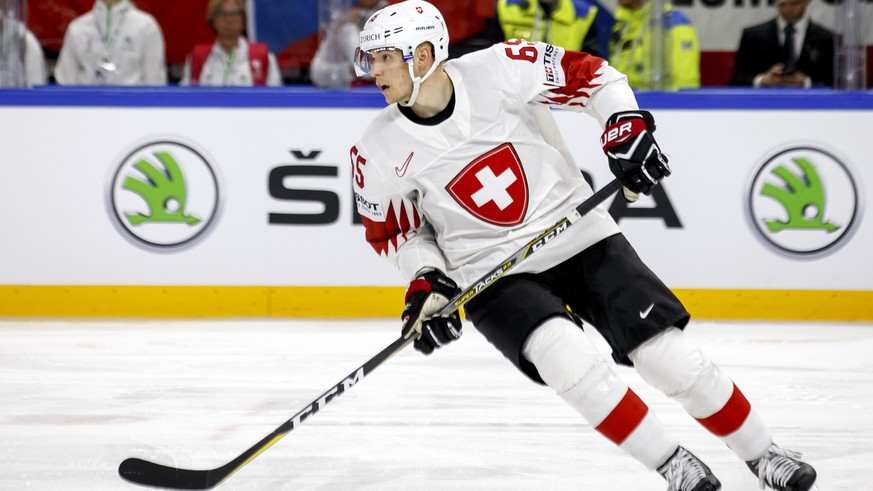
(76, 398)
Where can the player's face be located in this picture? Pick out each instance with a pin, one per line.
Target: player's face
(392, 75)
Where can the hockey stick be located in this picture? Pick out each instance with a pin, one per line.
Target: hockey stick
(151, 474)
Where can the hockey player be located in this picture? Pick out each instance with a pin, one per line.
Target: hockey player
(466, 165)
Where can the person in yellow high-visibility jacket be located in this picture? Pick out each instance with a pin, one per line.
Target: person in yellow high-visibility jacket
(577, 25)
(631, 46)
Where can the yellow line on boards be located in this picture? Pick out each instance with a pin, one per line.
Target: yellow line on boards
(199, 301)
(836, 305)
(374, 302)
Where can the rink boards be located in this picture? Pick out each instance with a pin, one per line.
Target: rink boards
(227, 203)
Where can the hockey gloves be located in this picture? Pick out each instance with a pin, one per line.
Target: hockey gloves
(426, 295)
(634, 156)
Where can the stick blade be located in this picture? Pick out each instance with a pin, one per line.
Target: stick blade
(147, 473)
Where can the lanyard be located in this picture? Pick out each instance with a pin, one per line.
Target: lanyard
(228, 65)
(105, 38)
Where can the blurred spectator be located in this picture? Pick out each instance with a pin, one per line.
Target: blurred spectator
(473, 23)
(570, 24)
(332, 66)
(19, 67)
(113, 44)
(631, 47)
(788, 51)
(231, 59)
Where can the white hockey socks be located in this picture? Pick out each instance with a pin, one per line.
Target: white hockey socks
(574, 369)
(672, 364)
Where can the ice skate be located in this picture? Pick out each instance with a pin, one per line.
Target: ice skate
(685, 472)
(782, 470)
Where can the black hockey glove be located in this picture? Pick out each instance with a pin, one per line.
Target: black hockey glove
(634, 156)
(425, 296)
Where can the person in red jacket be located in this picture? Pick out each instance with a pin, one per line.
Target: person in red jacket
(231, 59)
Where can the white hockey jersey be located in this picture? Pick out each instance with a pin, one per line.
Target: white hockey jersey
(466, 193)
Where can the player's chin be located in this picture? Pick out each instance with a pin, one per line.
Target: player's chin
(392, 98)
(392, 94)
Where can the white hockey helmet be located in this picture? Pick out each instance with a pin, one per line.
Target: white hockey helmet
(404, 26)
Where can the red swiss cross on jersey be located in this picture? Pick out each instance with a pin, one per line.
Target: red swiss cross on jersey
(493, 187)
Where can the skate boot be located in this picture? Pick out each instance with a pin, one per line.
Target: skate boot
(685, 472)
(782, 470)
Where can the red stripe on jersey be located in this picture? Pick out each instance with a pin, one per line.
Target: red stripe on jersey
(624, 418)
(730, 417)
(580, 71)
(385, 236)
(404, 222)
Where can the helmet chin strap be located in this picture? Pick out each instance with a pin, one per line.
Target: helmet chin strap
(416, 82)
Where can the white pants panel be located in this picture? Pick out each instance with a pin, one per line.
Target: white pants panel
(678, 368)
(568, 361)
(571, 365)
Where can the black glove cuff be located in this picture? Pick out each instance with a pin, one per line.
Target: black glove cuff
(639, 113)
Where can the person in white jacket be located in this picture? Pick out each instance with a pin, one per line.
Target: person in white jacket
(231, 60)
(113, 44)
(27, 70)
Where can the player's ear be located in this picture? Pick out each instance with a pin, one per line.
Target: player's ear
(424, 56)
